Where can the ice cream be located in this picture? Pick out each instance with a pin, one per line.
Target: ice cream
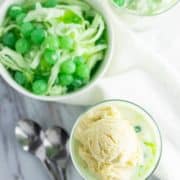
(108, 144)
(115, 141)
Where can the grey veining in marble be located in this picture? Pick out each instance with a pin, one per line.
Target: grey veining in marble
(16, 164)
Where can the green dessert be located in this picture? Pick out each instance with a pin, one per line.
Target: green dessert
(145, 7)
(52, 47)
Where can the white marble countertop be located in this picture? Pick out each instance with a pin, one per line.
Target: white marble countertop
(16, 164)
(163, 37)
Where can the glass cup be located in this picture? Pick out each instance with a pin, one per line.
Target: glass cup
(137, 19)
(74, 144)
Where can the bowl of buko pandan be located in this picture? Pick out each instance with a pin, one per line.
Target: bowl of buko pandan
(54, 49)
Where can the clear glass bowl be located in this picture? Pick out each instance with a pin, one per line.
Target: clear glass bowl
(139, 22)
(156, 12)
(74, 158)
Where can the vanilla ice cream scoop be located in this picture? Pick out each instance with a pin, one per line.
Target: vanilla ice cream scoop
(106, 140)
(109, 142)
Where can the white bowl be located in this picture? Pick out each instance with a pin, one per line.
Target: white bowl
(100, 72)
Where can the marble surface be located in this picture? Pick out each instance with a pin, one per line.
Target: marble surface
(18, 165)
(163, 37)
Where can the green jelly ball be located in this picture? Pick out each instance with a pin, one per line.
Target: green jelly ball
(22, 46)
(65, 79)
(82, 71)
(38, 35)
(119, 2)
(77, 83)
(20, 78)
(9, 39)
(138, 129)
(27, 28)
(50, 3)
(68, 67)
(50, 56)
(20, 18)
(14, 10)
(39, 87)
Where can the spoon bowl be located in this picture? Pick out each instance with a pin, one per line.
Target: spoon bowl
(28, 134)
(55, 142)
(50, 147)
(56, 145)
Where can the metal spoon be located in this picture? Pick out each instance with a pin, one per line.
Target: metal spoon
(56, 145)
(29, 135)
(31, 138)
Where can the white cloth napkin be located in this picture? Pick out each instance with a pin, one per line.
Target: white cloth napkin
(137, 74)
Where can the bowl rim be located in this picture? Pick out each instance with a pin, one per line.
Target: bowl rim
(98, 75)
(122, 101)
(131, 12)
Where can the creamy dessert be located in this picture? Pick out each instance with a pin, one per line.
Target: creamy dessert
(115, 140)
(145, 7)
(52, 48)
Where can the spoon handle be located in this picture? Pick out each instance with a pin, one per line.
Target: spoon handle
(63, 177)
(53, 170)
(62, 172)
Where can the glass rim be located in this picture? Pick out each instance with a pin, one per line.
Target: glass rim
(134, 104)
(131, 12)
